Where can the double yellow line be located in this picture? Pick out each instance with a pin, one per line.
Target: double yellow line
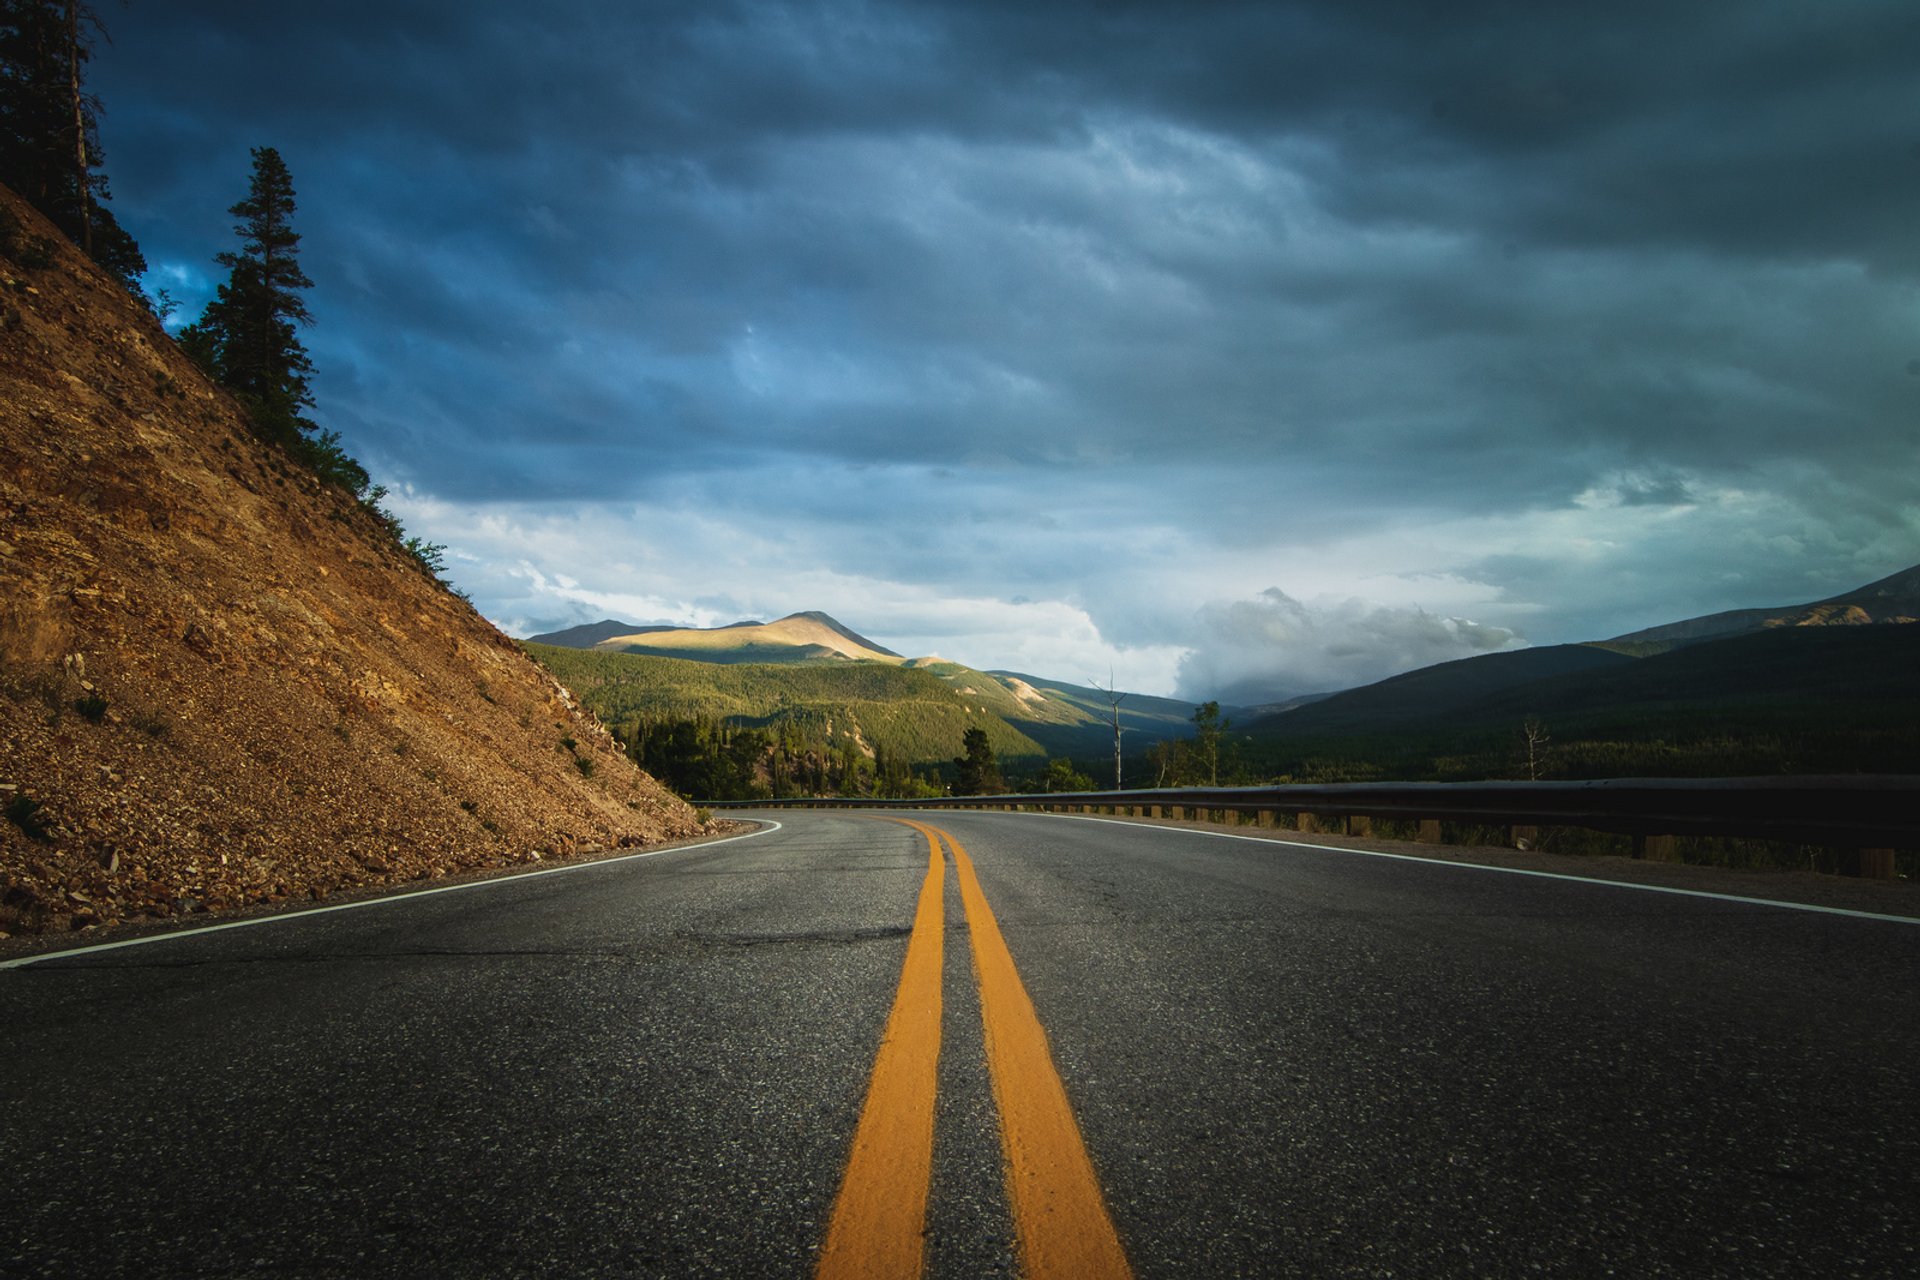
(1059, 1215)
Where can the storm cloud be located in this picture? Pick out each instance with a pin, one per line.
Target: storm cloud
(1111, 326)
(1274, 647)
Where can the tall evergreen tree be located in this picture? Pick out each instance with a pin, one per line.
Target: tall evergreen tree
(249, 334)
(979, 772)
(1208, 725)
(49, 128)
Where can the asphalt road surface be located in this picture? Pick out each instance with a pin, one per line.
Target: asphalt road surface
(1272, 1060)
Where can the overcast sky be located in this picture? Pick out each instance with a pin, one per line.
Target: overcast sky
(1241, 349)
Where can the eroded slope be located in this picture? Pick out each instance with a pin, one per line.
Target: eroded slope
(220, 681)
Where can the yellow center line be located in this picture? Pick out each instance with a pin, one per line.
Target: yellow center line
(1060, 1216)
(879, 1220)
(1059, 1213)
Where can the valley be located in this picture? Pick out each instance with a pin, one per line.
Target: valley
(806, 704)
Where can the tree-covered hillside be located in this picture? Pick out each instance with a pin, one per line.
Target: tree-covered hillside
(846, 726)
(1789, 700)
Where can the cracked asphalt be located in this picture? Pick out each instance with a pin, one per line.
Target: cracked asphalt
(1285, 1062)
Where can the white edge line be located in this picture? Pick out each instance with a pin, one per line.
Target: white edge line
(1511, 871)
(383, 900)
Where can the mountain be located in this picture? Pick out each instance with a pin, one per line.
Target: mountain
(1828, 686)
(1452, 689)
(798, 637)
(222, 682)
(1893, 599)
(1077, 720)
(1447, 689)
(590, 634)
(1265, 709)
(1042, 716)
(896, 710)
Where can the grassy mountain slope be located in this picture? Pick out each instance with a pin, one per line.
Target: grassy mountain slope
(799, 637)
(221, 682)
(589, 634)
(906, 713)
(1035, 716)
(1079, 718)
(1013, 700)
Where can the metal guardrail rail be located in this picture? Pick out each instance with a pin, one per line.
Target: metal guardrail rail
(1872, 813)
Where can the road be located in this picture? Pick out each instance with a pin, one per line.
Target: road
(1278, 1061)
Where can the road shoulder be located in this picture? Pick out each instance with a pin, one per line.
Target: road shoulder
(1805, 888)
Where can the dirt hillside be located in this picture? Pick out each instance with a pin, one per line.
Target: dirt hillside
(221, 683)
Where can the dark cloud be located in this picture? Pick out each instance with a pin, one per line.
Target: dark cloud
(1088, 300)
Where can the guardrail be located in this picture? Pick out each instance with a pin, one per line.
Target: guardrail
(1873, 815)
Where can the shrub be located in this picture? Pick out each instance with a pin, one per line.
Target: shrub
(24, 812)
(39, 254)
(431, 555)
(92, 707)
(153, 725)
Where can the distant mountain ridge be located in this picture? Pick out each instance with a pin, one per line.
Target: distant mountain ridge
(589, 634)
(1831, 685)
(1452, 688)
(1894, 599)
(1437, 691)
(1061, 718)
(1576, 684)
(809, 636)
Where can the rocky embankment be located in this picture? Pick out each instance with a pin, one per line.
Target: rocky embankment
(221, 682)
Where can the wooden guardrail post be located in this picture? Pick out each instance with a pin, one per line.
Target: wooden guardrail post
(1265, 818)
(1429, 831)
(1306, 822)
(1876, 864)
(1358, 824)
(1654, 848)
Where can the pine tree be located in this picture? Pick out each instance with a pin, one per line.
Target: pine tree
(979, 772)
(249, 334)
(49, 128)
(1208, 725)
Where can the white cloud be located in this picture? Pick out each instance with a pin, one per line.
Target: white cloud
(1275, 645)
(533, 569)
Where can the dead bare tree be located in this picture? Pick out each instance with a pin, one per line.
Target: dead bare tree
(1536, 737)
(1115, 699)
